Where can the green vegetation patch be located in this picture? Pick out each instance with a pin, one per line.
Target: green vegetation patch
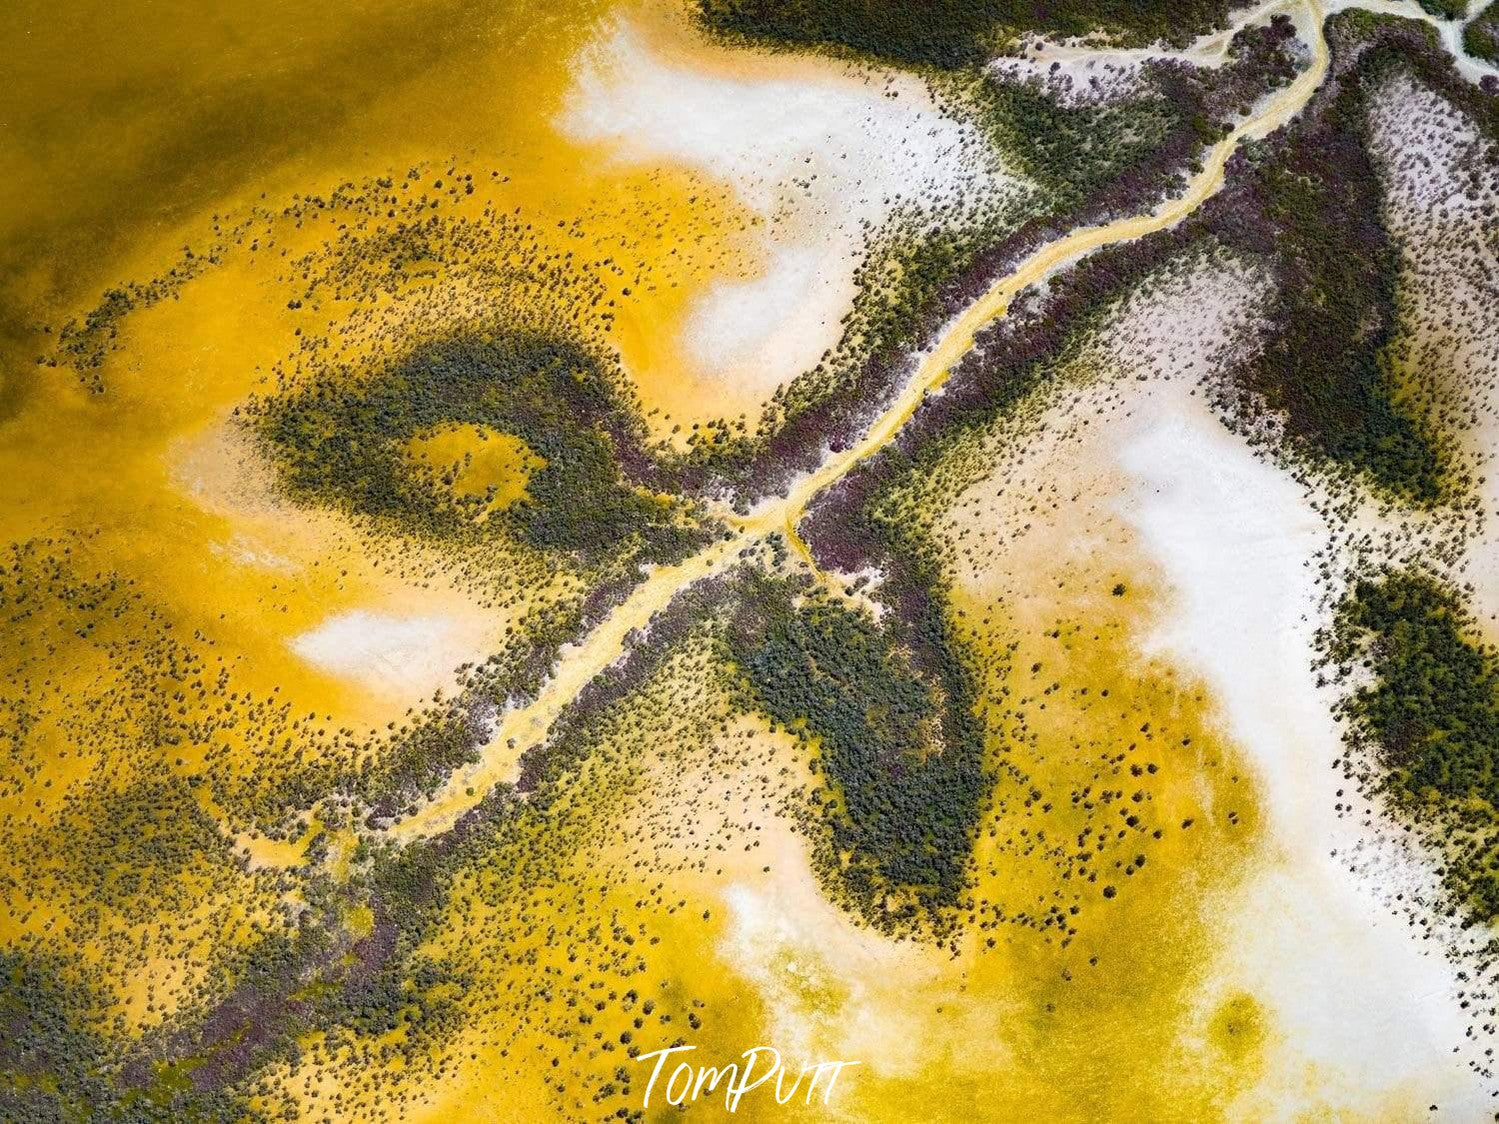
(1432, 713)
(1445, 9)
(1481, 36)
(1076, 150)
(142, 849)
(1328, 369)
(903, 797)
(50, 1060)
(952, 33)
(343, 441)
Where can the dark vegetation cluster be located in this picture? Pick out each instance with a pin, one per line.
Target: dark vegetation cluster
(130, 848)
(1481, 35)
(133, 849)
(1077, 151)
(1445, 9)
(342, 441)
(1327, 369)
(312, 975)
(1311, 199)
(902, 757)
(952, 33)
(1430, 712)
(50, 1057)
(528, 358)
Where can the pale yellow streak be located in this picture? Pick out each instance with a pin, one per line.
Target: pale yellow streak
(577, 666)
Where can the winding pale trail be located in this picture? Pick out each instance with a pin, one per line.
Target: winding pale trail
(578, 664)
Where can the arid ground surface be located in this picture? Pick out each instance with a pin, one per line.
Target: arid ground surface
(960, 537)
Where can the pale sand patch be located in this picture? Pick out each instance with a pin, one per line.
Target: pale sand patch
(391, 639)
(825, 982)
(1364, 1014)
(1133, 470)
(822, 153)
(833, 988)
(1050, 498)
(391, 654)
